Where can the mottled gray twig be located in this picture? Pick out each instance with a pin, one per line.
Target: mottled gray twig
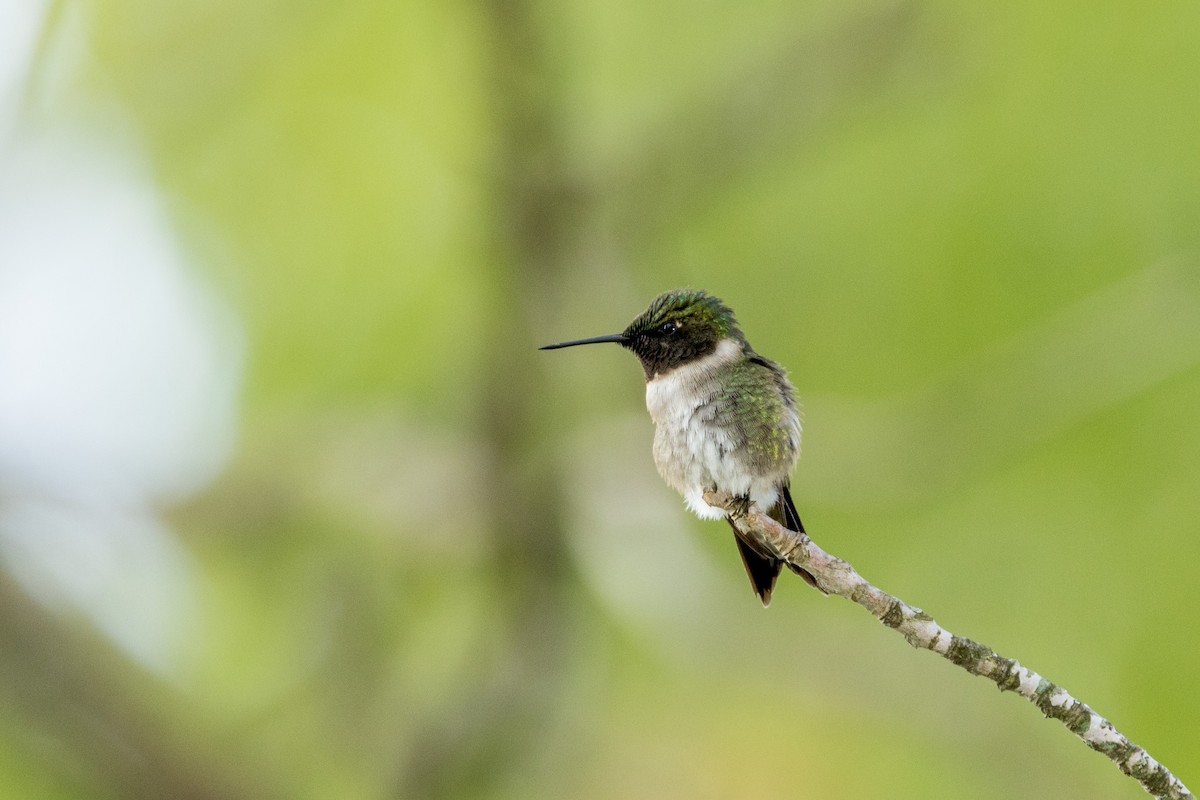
(920, 630)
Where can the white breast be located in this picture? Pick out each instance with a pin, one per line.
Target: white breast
(691, 453)
(682, 390)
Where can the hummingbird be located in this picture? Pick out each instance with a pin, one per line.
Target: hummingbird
(725, 417)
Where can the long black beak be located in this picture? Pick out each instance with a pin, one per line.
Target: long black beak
(619, 338)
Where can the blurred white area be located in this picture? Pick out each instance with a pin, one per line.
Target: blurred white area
(119, 369)
(21, 23)
(639, 548)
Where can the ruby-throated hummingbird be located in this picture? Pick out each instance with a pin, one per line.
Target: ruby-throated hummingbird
(724, 417)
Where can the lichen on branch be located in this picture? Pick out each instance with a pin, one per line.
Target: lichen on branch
(838, 577)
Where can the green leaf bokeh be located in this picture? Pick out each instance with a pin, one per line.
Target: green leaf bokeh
(440, 563)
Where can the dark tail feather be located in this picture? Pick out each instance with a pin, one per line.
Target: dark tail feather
(763, 570)
(786, 515)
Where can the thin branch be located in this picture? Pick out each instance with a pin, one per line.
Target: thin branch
(920, 630)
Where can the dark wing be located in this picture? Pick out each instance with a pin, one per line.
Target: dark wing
(785, 511)
(786, 515)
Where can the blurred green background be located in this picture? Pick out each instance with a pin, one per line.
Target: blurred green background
(401, 554)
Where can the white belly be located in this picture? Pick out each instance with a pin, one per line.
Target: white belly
(692, 454)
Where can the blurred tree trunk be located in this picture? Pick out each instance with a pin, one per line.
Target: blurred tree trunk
(491, 733)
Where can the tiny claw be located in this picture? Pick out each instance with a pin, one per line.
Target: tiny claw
(738, 507)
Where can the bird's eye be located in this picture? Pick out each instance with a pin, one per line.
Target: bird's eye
(669, 327)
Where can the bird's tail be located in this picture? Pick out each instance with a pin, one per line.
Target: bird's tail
(763, 568)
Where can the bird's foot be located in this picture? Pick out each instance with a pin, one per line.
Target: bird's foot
(738, 506)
